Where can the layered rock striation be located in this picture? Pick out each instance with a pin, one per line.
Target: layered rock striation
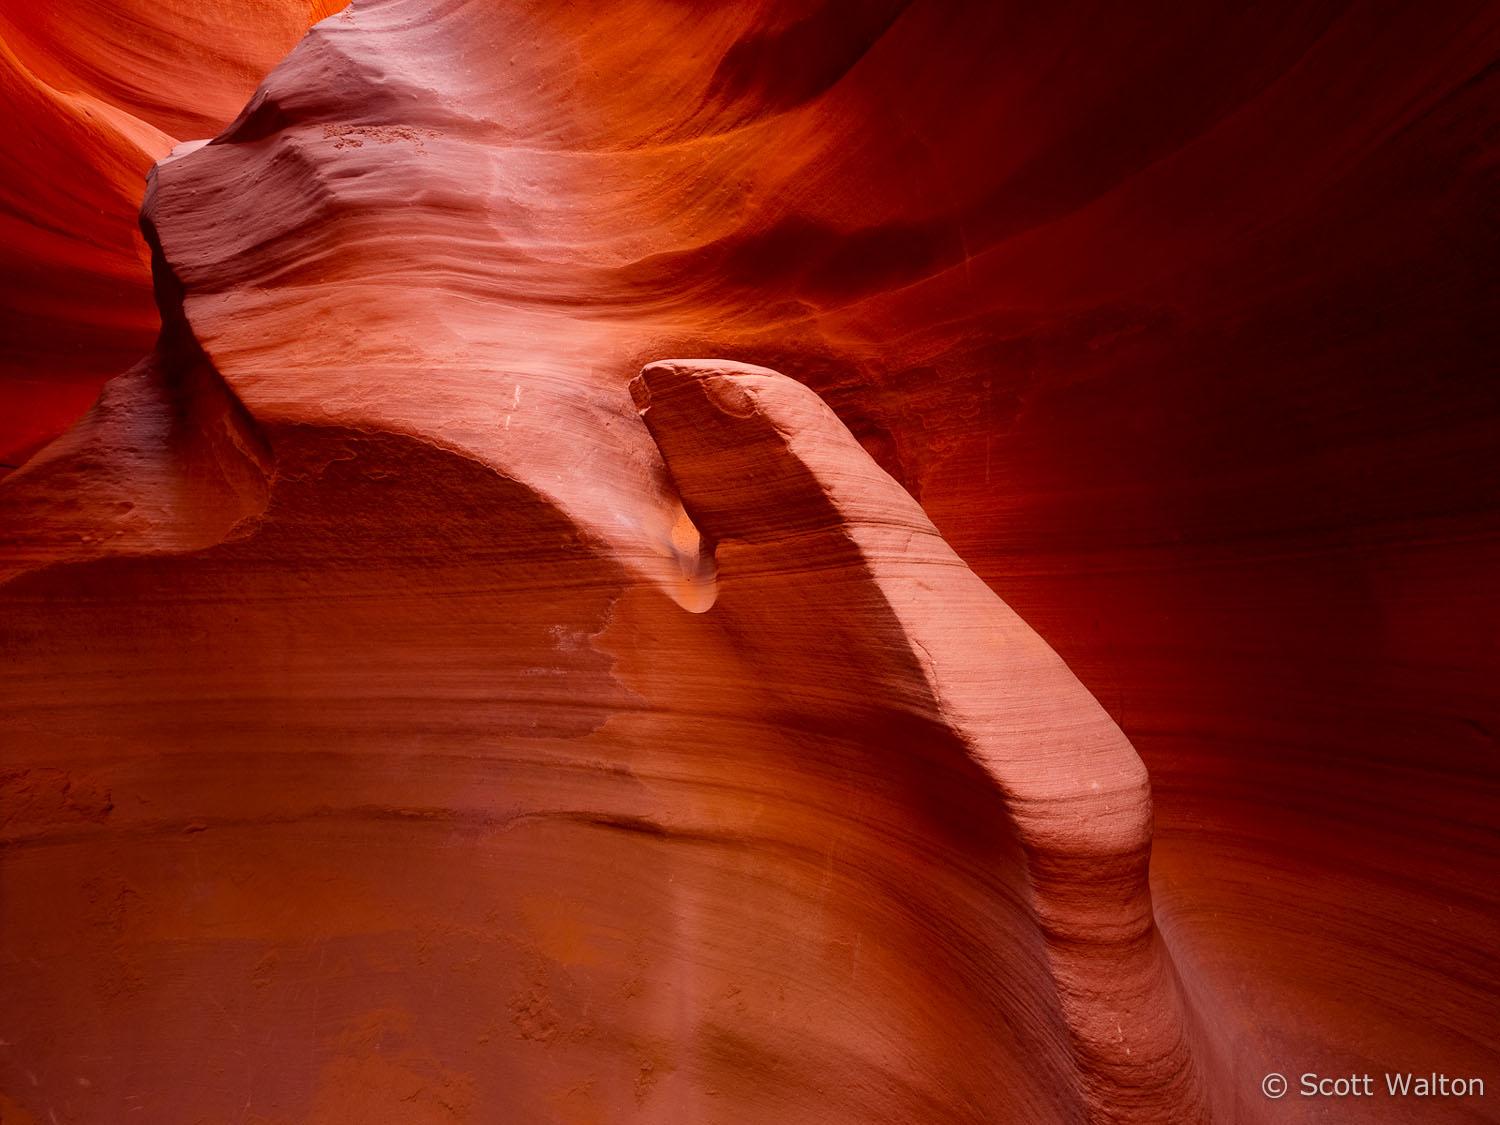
(417, 710)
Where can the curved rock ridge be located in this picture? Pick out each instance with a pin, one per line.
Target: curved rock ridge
(373, 671)
(780, 486)
(763, 861)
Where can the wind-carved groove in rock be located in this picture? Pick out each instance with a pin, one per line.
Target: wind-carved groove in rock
(460, 584)
(394, 728)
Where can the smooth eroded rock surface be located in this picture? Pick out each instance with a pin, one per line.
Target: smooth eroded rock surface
(425, 699)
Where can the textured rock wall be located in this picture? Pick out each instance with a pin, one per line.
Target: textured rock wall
(93, 92)
(405, 719)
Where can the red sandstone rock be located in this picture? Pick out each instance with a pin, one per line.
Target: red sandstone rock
(819, 548)
(93, 93)
(386, 741)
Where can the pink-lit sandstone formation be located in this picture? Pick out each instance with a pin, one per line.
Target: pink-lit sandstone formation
(426, 701)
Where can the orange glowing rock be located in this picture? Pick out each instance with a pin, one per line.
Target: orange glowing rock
(423, 701)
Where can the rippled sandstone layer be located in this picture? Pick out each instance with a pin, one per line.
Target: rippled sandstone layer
(385, 733)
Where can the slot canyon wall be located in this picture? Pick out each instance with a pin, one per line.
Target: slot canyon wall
(1039, 666)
